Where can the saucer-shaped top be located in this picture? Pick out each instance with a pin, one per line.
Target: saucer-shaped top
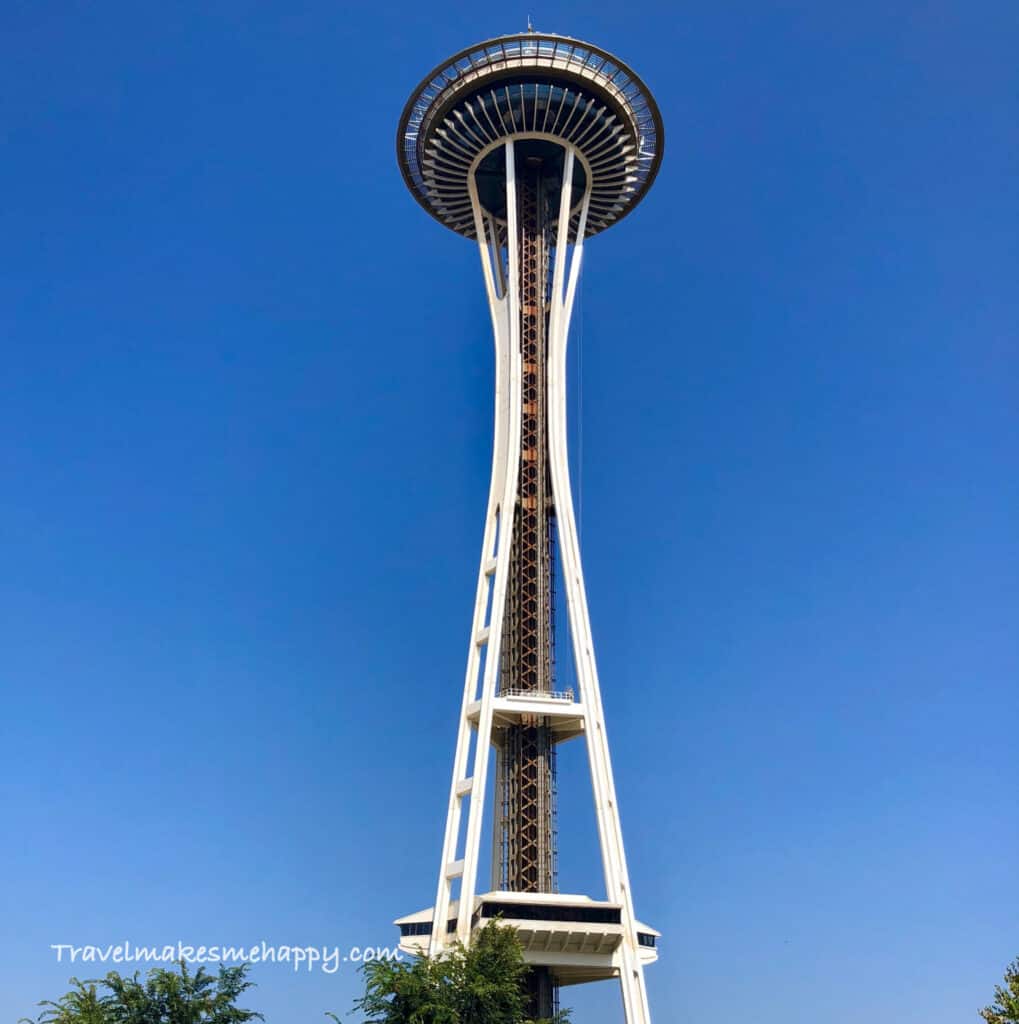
(532, 85)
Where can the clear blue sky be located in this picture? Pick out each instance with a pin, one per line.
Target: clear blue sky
(244, 439)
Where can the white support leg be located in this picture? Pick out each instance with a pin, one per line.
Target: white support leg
(617, 885)
(470, 779)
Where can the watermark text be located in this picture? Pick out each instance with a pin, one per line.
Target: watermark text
(328, 959)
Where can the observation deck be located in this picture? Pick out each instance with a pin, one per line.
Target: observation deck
(533, 87)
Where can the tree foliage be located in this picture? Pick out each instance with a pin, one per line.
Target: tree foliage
(82, 1005)
(1006, 999)
(482, 984)
(163, 997)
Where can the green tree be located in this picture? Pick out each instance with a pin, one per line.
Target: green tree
(163, 997)
(81, 1005)
(1006, 999)
(482, 984)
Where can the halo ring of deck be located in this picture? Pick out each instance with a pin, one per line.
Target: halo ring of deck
(530, 84)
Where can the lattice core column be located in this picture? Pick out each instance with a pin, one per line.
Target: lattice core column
(527, 766)
(526, 752)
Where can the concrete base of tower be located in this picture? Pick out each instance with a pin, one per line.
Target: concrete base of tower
(579, 938)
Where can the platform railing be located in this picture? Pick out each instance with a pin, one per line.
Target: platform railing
(558, 695)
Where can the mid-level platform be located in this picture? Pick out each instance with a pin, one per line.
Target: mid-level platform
(564, 716)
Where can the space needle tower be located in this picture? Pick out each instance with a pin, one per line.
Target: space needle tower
(530, 144)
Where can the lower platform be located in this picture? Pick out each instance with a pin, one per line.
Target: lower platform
(577, 937)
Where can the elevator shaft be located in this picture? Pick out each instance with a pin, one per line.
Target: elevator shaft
(525, 751)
